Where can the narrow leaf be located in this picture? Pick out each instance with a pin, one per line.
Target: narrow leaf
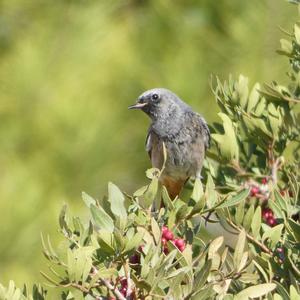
(101, 218)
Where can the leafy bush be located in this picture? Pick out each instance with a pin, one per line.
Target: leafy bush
(146, 246)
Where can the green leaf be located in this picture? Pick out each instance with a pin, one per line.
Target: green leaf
(155, 231)
(240, 213)
(204, 294)
(210, 192)
(277, 297)
(253, 97)
(106, 242)
(242, 89)
(141, 191)
(280, 201)
(62, 220)
(243, 262)
(116, 199)
(293, 293)
(248, 218)
(237, 198)
(166, 199)
(297, 33)
(249, 278)
(134, 243)
(295, 229)
(239, 249)
(197, 190)
(101, 218)
(87, 199)
(286, 46)
(227, 142)
(256, 222)
(215, 246)
(273, 234)
(276, 209)
(256, 291)
(151, 192)
(202, 275)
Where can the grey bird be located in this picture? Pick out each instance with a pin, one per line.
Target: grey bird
(184, 132)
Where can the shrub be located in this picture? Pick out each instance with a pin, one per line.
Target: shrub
(146, 246)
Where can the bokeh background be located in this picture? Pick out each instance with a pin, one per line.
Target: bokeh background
(68, 71)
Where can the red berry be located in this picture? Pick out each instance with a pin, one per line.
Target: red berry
(267, 213)
(282, 193)
(164, 230)
(264, 181)
(123, 282)
(123, 291)
(181, 249)
(163, 241)
(135, 259)
(291, 194)
(271, 221)
(254, 190)
(169, 236)
(179, 242)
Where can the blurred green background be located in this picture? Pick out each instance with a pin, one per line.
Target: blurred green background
(68, 71)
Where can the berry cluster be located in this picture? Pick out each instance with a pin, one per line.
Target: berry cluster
(268, 217)
(167, 235)
(260, 190)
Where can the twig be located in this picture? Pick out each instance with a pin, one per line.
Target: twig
(112, 288)
(251, 238)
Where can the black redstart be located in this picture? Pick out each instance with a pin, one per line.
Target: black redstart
(184, 132)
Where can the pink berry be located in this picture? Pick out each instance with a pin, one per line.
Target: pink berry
(164, 241)
(181, 249)
(267, 213)
(164, 229)
(271, 221)
(264, 181)
(169, 236)
(254, 191)
(279, 250)
(179, 242)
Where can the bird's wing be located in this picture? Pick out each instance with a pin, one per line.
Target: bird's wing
(154, 149)
(148, 143)
(204, 130)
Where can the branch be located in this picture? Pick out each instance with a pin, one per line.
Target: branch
(262, 246)
(113, 289)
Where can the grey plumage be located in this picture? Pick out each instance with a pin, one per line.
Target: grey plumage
(186, 136)
(184, 132)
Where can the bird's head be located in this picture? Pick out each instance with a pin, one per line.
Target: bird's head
(159, 103)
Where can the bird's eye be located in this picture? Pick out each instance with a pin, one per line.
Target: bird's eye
(154, 96)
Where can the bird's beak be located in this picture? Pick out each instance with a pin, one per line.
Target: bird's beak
(137, 105)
